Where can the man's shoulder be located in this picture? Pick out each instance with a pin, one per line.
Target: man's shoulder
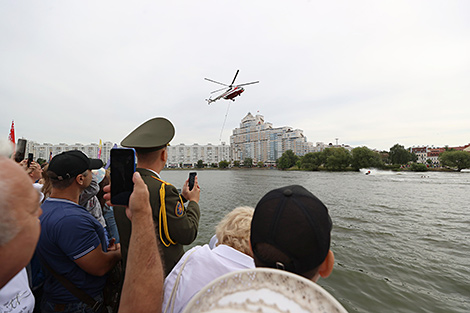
(56, 202)
(150, 178)
(58, 210)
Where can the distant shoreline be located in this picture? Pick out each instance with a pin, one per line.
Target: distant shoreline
(294, 169)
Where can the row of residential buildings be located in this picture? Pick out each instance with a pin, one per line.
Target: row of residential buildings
(178, 156)
(47, 150)
(430, 155)
(254, 139)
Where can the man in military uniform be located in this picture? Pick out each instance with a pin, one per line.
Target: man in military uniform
(175, 224)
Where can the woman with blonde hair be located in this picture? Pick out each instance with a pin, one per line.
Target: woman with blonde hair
(200, 265)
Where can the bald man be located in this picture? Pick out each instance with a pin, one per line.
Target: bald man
(19, 234)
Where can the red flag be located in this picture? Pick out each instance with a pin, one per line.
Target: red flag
(11, 137)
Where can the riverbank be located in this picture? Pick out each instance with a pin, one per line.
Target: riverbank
(320, 169)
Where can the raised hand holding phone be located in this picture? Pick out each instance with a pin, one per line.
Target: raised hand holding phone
(192, 176)
(122, 170)
(30, 159)
(191, 194)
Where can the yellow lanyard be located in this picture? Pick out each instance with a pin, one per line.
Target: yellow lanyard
(162, 215)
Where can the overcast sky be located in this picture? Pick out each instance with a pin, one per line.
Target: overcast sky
(371, 73)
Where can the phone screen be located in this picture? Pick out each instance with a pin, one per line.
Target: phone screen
(122, 169)
(192, 176)
(20, 150)
(30, 159)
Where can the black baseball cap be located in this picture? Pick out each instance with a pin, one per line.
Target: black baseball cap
(295, 222)
(71, 163)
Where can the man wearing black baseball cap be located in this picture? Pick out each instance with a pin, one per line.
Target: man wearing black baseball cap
(72, 242)
(71, 163)
(290, 230)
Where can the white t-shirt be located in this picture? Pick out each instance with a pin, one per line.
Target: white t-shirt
(15, 296)
(202, 267)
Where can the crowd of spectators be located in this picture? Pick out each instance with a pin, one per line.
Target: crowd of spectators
(59, 243)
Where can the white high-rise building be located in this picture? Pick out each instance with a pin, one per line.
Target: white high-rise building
(260, 141)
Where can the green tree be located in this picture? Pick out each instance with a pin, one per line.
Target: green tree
(385, 156)
(337, 159)
(260, 164)
(287, 160)
(455, 159)
(248, 162)
(312, 161)
(214, 165)
(399, 155)
(223, 164)
(200, 164)
(363, 157)
(418, 167)
(236, 163)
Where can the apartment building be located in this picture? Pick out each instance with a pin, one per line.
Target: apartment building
(260, 141)
(46, 150)
(425, 153)
(178, 156)
(188, 155)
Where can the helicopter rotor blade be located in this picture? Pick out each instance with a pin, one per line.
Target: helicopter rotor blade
(216, 82)
(248, 83)
(218, 90)
(234, 78)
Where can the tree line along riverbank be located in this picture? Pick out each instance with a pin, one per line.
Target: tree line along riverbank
(341, 159)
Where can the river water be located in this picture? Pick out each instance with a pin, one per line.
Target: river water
(401, 240)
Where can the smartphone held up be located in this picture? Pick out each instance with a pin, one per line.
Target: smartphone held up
(122, 169)
(20, 150)
(192, 176)
(30, 159)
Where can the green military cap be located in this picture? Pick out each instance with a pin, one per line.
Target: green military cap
(154, 134)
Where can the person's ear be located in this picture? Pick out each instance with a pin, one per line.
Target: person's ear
(162, 155)
(327, 266)
(80, 179)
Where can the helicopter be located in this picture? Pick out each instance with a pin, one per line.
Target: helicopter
(231, 92)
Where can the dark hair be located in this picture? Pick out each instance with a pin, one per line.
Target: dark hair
(62, 184)
(148, 154)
